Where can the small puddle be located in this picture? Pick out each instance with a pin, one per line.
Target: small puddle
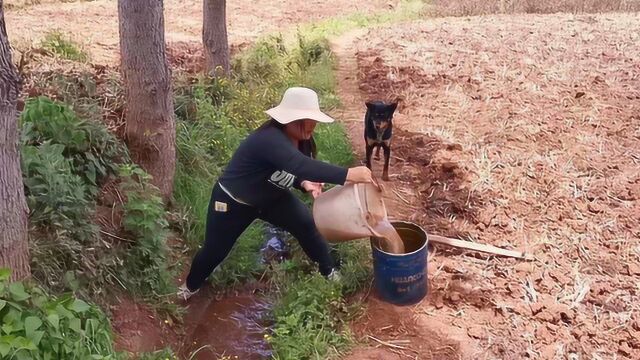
(232, 326)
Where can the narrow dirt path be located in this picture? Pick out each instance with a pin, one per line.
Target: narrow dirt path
(387, 331)
(399, 201)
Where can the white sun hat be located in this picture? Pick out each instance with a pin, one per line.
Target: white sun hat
(299, 103)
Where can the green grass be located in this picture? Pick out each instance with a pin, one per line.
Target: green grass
(333, 144)
(405, 11)
(214, 115)
(308, 319)
(57, 43)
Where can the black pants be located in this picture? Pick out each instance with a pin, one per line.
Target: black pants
(224, 226)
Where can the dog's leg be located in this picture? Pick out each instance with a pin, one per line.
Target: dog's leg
(387, 155)
(369, 151)
(377, 157)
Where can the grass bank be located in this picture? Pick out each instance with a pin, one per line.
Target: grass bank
(215, 115)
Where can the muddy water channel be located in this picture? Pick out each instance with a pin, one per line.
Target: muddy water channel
(233, 326)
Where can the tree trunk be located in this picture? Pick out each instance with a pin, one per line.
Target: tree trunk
(214, 37)
(14, 246)
(150, 130)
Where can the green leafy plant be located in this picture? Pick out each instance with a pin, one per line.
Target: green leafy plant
(38, 326)
(146, 268)
(64, 160)
(92, 149)
(57, 197)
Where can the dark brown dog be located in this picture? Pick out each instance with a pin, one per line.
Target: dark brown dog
(378, 130)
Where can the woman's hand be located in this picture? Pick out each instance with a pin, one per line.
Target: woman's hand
(359, 174)
(314, 188)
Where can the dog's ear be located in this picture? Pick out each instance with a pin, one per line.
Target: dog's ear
(370, 105)
(392, 107)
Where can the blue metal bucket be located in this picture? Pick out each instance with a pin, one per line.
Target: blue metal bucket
(401, 279)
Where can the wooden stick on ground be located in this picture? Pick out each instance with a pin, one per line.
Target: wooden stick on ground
(400, 197)
(479, 247)
(385, 343)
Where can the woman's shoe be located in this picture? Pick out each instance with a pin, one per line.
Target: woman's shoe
(334, 275)
(184, 293)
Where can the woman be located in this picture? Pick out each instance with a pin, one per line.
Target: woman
(256, 185)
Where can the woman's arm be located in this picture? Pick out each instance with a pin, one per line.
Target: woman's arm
(276, 149)
(306, 168)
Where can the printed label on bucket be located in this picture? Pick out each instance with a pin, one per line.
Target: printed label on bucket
(407, 279)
